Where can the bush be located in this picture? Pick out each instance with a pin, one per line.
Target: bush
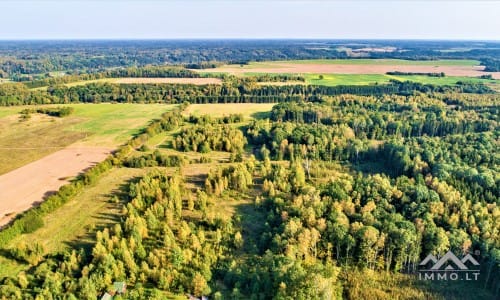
(144, 148)
(204, 160)
(31, 222)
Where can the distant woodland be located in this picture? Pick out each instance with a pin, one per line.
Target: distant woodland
(25, 60)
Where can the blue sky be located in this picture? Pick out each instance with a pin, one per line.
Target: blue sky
(396, 19)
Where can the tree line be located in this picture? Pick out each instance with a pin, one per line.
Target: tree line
(232, 92)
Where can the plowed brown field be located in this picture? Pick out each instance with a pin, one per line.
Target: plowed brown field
(312, 68)
(28, 185)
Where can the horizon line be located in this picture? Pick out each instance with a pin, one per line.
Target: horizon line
(243, 39)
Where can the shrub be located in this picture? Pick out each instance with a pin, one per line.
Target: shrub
(31, 222)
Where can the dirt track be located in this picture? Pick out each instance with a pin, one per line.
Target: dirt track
(195, 81)
(356, 69)
(28, 185)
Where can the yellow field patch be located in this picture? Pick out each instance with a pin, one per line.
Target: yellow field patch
(220, 110)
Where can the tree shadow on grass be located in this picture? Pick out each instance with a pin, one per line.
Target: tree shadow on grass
(6, 253)
(165, 145)
(252, 221)
(197, 180)
(261, 115)
(105, 219)
(372, 168)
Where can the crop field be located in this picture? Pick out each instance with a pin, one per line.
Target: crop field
(364, 79)
(83, 82)
(143, 80)
(24, 142)
(113, 124)
(57, 149)
(345, 79)
(219, 110)
(355, 66)
(390, 62)
(195, 81)
(21, 190)
(91, 125)
(76, 83)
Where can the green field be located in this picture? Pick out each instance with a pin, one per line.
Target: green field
(7, 111)
(113, 124)
(89, 210)
(102, 125)
(74, 224)
(366, 79)
(218, 110)
(369, 79)
(345, 79)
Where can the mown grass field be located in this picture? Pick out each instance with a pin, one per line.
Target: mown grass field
(345, 79)
(134, 80)
(248, 110)
(101, 125)
(83, 82)
(113, 124)
(24, 142)
(367, 79)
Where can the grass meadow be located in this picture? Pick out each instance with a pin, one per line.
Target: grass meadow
(92, 125)
(248, 110)
(367, 79)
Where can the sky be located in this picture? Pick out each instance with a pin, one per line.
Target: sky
(315, 19)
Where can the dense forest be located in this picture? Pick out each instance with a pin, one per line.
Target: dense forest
(335, 184)
(491, 64)
(233, 90)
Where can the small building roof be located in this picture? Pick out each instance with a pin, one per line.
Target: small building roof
(120, 286)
